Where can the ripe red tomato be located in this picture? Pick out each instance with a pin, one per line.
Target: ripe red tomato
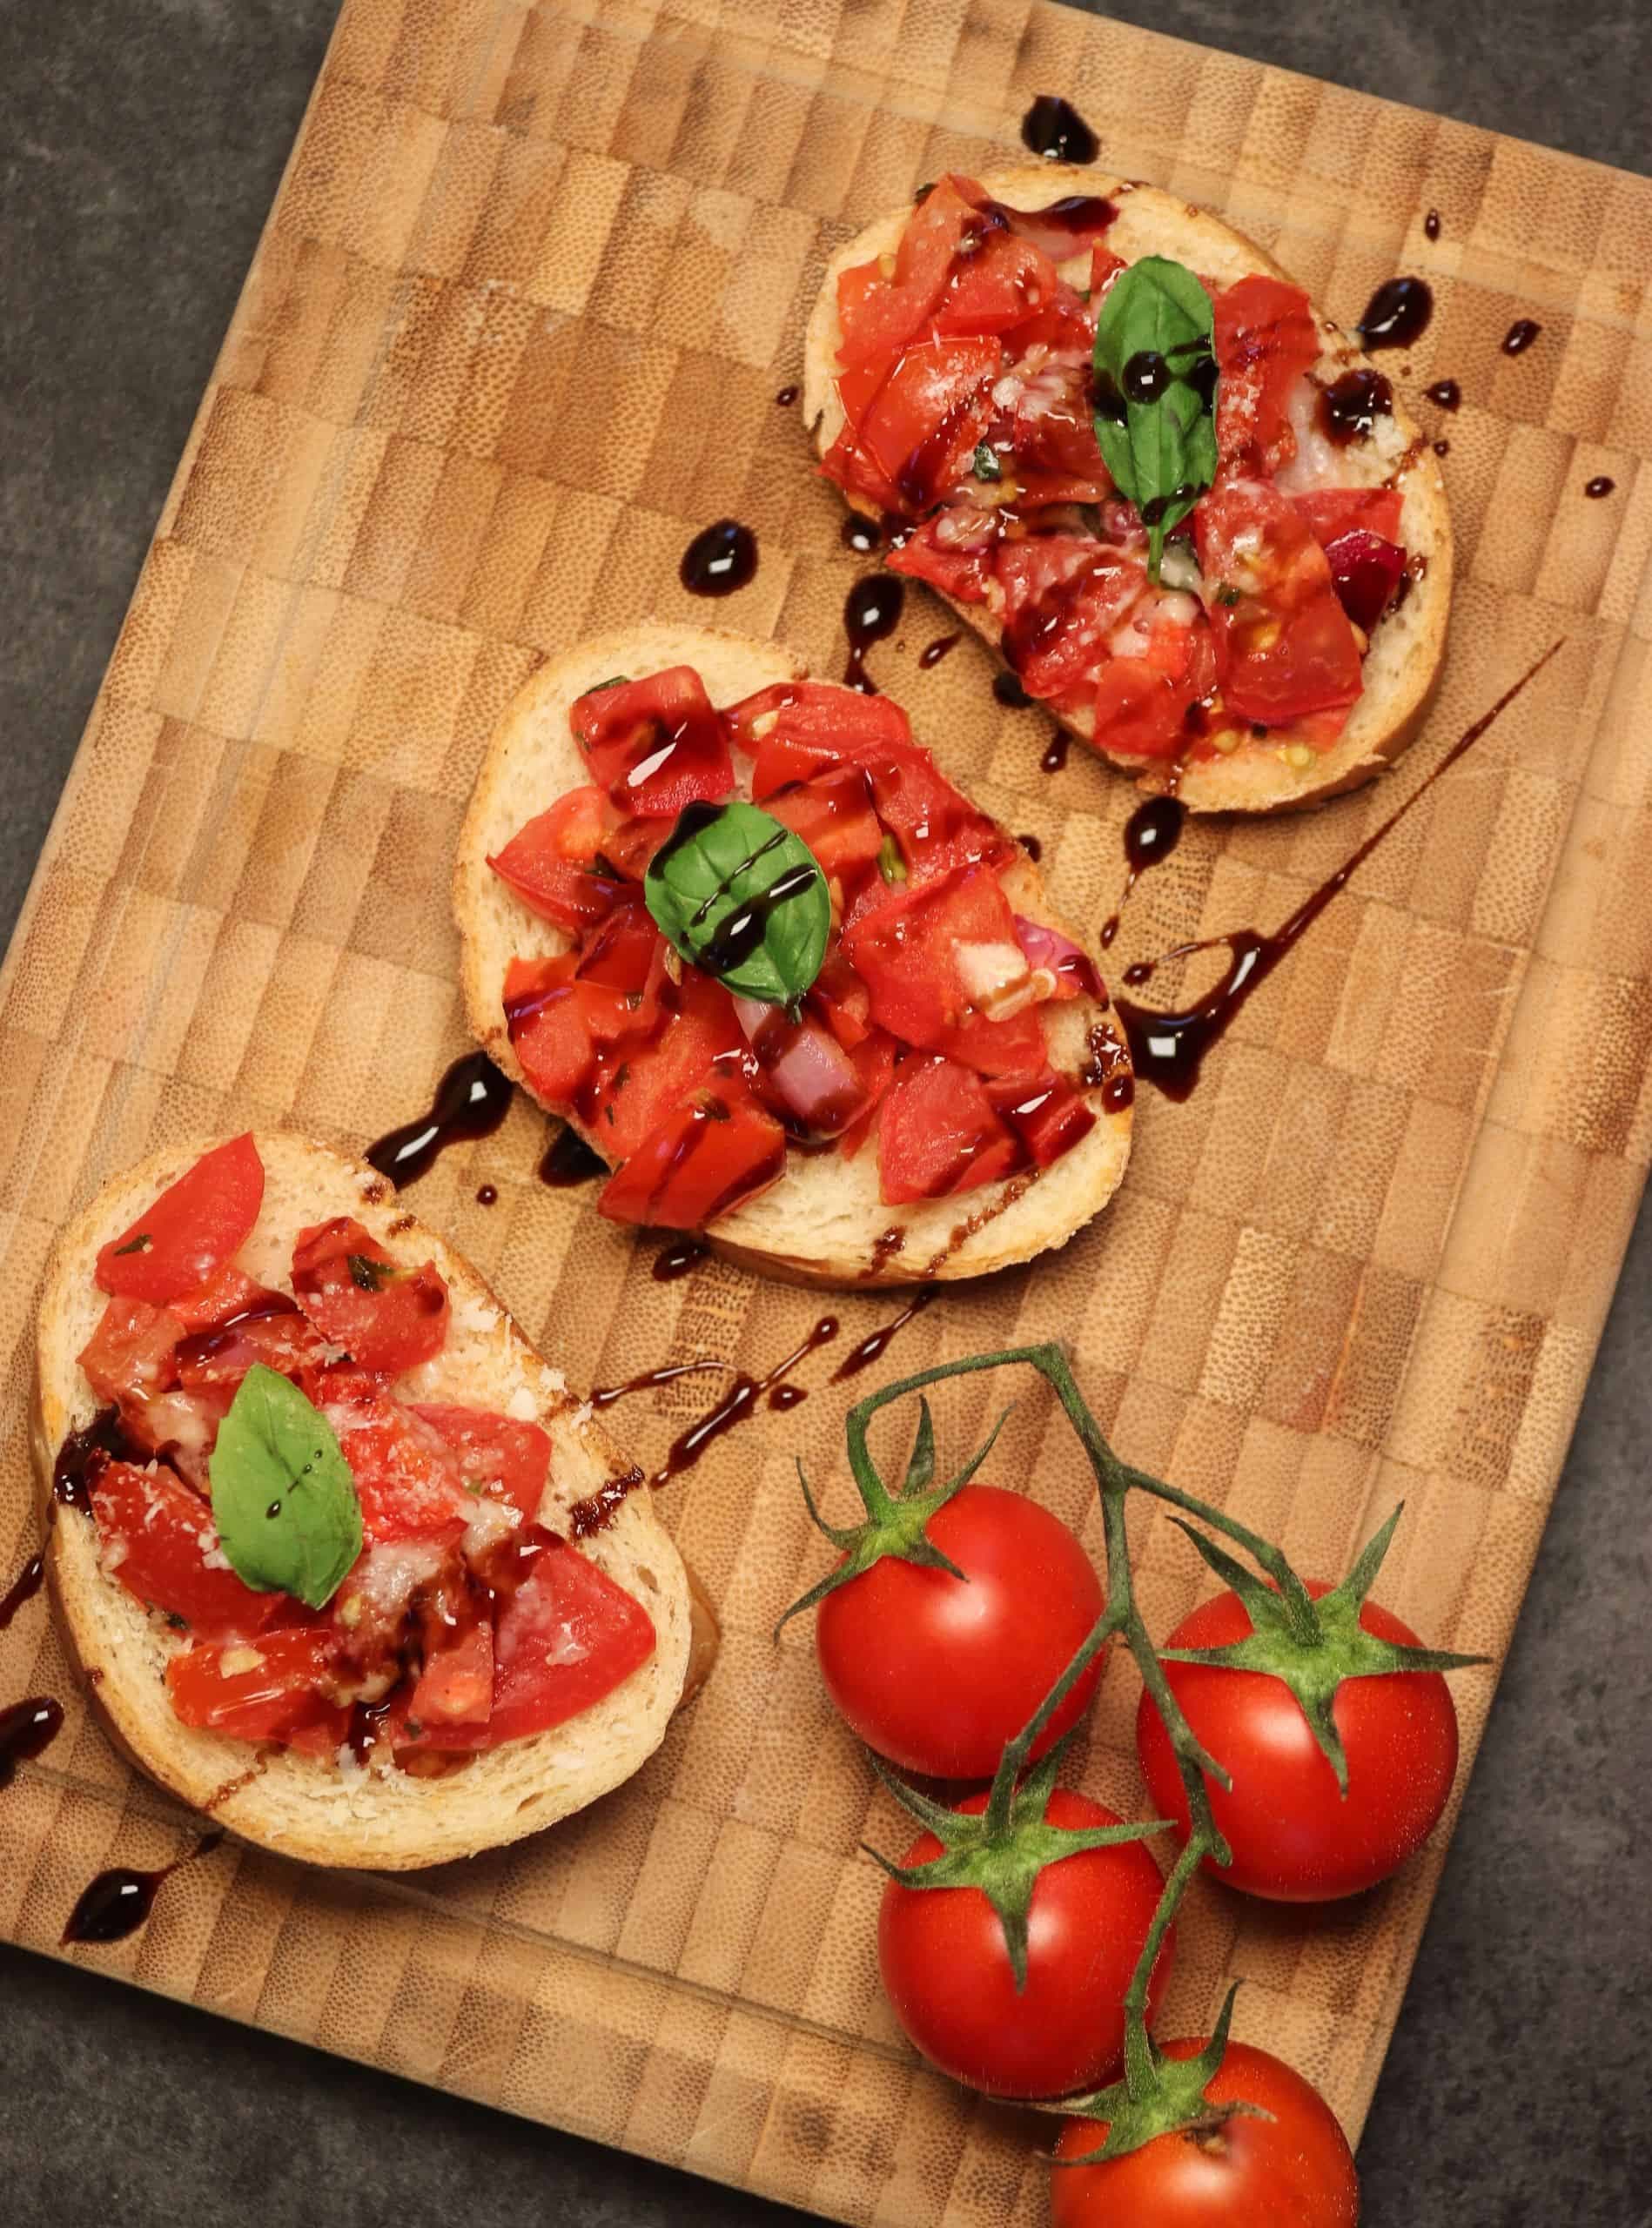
(1291, 2170)
(938, 1676)
(947, 1972)
(1294, 1838)
(390, 1318)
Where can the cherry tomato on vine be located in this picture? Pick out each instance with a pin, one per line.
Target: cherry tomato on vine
(1295, 1837)
(947, 1972)
(937, 1675)
(1293, 2170)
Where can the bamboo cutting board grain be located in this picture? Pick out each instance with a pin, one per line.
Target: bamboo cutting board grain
(515, 331)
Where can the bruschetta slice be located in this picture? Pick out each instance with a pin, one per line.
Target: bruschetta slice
(798, 992)
(329, 1541)
(1247, 605)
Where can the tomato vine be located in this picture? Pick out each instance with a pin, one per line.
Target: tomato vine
(1312, 1644)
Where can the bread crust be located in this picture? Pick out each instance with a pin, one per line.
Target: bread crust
(312, 1807)
(823, 1223)
(1402, 665)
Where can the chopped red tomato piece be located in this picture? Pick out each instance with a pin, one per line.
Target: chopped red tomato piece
(548, 1030)
(874, 1061)
(549, 863)
(132, 1352)
(1063, 596)
(566, 1638)
(1265, 341)
(360, 1297)
(1332, 511)
(641, 1084)
(878, 313)
(497, 1455)
(188, 1234)
(629, 849)
(283, 1340)
(1143, 704)
(408, 1480)
(455, 1688)
(918, 432)
(1045, 1112)
(266, 1689)
(655, 745)
(1365, 572)
(710, 1152)
(1284, 645)
(998, 278)
(913, 953)
(939, 1133)
(795, 727)
(953, 551)
(156, 1537)
(229, 1292)
(842, 1000)
(834, 815)
(622, 975)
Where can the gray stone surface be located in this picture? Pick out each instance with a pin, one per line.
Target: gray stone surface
(140, 143)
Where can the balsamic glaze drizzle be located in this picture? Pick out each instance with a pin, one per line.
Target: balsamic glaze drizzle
(472, 1100)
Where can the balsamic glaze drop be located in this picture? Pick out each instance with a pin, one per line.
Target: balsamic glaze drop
(1397, 314)
(871, 613)
(24, 1587)
(569, 1160)
(737, 1404)
(472, 1100)
(722, 558)
(787, 396)
(1168, 1049)
(1598, 486)
(487, 1195)
(676, 1258)
(1351, 405)
(1055, 756)
(1007, 687)
(27, 1730)
(118, 1901)
(1153, 832)
(860, 535)
(1520, 335)
(1054, 128)
(1032, 846)
(84, 1453)
(1446, 393)
(875, 1342)
(933, 652)
(1431, 225)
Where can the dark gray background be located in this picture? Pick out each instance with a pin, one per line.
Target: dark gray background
(140, 145)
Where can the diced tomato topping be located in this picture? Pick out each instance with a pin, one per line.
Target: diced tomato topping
(877, 315)
(874, 1061)
(996, 285)
(455, 1688)
(131, 1353)
(408, 1480)
(185, 1237)
(821, 724)
(622, 975)
(283, 1340)
(915, 436)
(908, 955)
(1063, 596)
(264, 1688)
(708, 1153)
(505, 1459)
(567, 1637)
(389, 1319)
(1365, 572)
(1333, 510)
(228, 1293)
(834, 815)
(1284, 645)
(1144, 704)
(155, 1535)
(959, 567)
(640, 1087)
(550, 862)
(1265, 342)
(548, 1030)
(655, 745)
(1045, 1112)
(939, 1133)
(630, 847)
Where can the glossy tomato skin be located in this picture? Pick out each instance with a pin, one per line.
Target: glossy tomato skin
(947, 1972)
(1291, 2170)
(1294, 1838)
(937, 1675)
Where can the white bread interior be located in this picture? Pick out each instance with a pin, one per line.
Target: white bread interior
(1403, 662)
(325, 1812)
(823, 1221)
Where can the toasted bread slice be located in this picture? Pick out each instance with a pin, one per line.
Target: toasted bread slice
(327, 1812)
(1403, 661)
(823, 1221)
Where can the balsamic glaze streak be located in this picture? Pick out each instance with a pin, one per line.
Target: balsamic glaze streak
(471, 1102)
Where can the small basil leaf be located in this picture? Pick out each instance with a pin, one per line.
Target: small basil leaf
(987, 466)
(744, 899)
(141, 1244)
(283, 1497)
(1156, 393)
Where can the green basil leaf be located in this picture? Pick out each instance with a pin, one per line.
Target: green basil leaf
(1161, 447)
(741, 897)
(987, 466)
(141, 1244)
(283, 1497)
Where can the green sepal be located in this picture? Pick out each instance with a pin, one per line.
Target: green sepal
(894, 1522)
(1313, 1656)
(1002, 1856)
(1171, 2100)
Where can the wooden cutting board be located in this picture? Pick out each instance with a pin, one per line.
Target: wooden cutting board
(515, 329)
